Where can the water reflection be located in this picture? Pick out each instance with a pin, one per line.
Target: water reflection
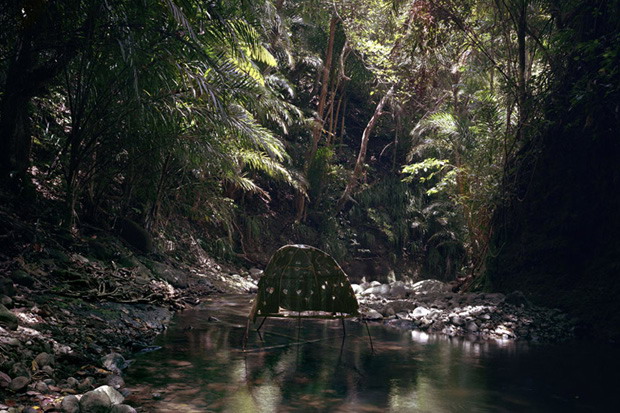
(201, 368)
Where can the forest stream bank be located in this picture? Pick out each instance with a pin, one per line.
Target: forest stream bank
(75, 308)
(59, 346)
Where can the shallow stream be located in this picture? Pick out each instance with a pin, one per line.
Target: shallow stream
(201, 368)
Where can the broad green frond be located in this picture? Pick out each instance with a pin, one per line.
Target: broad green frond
(259, 161)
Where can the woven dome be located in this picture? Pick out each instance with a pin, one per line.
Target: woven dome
(303, 278)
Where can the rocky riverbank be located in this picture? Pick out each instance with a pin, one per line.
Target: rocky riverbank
(431, 306)
(68, 320)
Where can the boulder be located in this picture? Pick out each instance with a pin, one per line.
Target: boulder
(420, 312)
(95, 402)
(8, 319)
(114, 396)
(381, 290)
(371, 314)
(430, 286)
(402, 305)
(21, 277)
(398, 289)
(176, 278)
(114, 362)
(357, 289)
(6, 301)
(70, 404)
(135, 235)
(6, 287)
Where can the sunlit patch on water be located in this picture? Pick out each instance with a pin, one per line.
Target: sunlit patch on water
(203, 369)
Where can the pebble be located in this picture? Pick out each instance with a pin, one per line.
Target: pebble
(86, 384)
(48, 370)
(19, 383)
(372, 314)
(44, 359)
(41, 387)
(72, 382)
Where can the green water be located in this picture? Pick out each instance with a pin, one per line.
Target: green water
(201, 368)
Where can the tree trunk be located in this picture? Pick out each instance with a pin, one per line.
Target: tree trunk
(14, 120)
(317, 127)
(522, 68)
(361, 156)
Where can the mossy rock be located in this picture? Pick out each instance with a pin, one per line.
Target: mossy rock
(135, 235)
(128, 261)
(8, 319)
(6, 287)
(21, 277)
(58, 255)
(176, 278)
(100, 250)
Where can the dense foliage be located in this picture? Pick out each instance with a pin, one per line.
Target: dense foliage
(385, 132)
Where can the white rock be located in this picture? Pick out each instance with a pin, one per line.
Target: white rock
(372, 314)
(380, 290)
(420, 312)
(429, 286)
(95, 402)
(114, 396)
(357, 289)
(256, 273)
(457, 321)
